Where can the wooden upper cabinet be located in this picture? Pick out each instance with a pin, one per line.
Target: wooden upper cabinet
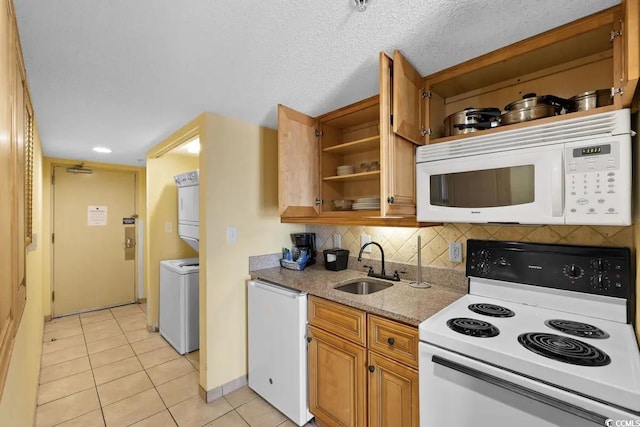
(408, 101)
(397, 155)
(630, 28)
(596, 52)
(298, 164)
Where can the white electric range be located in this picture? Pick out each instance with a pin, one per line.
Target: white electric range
(543, 338)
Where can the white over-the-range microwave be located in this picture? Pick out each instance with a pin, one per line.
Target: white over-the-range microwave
(573, 171)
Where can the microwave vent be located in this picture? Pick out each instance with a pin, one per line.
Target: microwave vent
(564, 131)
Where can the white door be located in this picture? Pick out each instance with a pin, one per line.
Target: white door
(94, 242)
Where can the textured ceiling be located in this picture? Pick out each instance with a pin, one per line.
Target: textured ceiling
(126, 74)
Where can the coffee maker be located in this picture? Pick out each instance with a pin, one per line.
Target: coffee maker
(304, 241)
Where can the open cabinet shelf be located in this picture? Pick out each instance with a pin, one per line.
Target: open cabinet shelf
(582, 56)
(353, 147)
(360, 176)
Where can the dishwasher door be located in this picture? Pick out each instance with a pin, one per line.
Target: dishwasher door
(278, 348)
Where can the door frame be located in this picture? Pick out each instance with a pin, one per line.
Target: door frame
(45, 240)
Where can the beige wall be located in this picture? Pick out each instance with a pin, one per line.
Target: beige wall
(238, 187)
(162, 208)
(47, 227)
(18, 404)
(239, 164)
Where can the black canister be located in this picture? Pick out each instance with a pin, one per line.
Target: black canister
(336, 259)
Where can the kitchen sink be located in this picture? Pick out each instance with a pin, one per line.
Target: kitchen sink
(363, 286)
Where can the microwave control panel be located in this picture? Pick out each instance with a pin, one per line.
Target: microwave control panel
(598, 182)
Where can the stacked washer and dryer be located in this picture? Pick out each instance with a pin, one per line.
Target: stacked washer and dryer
(179, 278)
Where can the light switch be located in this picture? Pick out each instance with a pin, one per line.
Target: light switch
(168, 227)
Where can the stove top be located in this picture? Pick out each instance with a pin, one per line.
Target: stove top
(582, 330)
(564, 349)
(472, 327)
(492, 310)
(607, 369)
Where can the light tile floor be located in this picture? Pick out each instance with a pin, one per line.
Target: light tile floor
(104, 369)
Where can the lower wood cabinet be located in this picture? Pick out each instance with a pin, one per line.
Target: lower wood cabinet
(337, 380)
(393, 393)
(357, 379)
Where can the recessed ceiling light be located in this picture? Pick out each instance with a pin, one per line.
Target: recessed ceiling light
(101, 149)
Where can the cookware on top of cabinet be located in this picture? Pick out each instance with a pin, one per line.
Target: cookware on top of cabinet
(592, 99)
(532, 107)
(589, 54)
(471, 120)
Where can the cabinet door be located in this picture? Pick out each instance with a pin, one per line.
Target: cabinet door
(7, 259)
(18, 145)
(337, 380)
(397, 155)
(631, 49)
(298, 164)
(408, 104)
(393, 394)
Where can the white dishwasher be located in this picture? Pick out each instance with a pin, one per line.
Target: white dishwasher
(278, 348)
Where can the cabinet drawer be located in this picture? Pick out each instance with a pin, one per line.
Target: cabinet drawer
(393, 339)
(346, 322)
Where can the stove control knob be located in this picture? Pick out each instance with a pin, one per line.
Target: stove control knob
(573, 271)
(483, 267)
(601, 282)
(483, 254)
(502, 262)
(600, 265)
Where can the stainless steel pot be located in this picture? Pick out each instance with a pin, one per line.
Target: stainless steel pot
(471, 120)
(592, 99)
(532, 107)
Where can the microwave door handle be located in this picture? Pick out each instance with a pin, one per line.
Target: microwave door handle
(444, 189)
(557, 186)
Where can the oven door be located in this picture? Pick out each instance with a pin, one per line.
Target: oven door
(459, 391)
(523, 186)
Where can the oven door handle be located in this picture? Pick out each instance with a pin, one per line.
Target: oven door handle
(523, 391)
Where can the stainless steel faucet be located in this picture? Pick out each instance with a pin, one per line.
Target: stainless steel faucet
(383, 273)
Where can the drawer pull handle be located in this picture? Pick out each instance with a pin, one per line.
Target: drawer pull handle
(391, 341)
(372, 368)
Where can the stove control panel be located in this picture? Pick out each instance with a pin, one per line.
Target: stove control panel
(587, 269)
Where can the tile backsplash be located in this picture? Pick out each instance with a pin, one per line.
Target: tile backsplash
(400, 244)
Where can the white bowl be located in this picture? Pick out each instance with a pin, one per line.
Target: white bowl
(342, 205)
(345, 170)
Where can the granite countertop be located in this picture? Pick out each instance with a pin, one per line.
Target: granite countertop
(399, 302)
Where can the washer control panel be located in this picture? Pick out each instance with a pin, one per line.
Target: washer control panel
(187, 179)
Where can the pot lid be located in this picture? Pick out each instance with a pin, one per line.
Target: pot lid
(469, 111)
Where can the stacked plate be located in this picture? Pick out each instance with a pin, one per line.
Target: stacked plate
(345, 170)
(365, 203)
